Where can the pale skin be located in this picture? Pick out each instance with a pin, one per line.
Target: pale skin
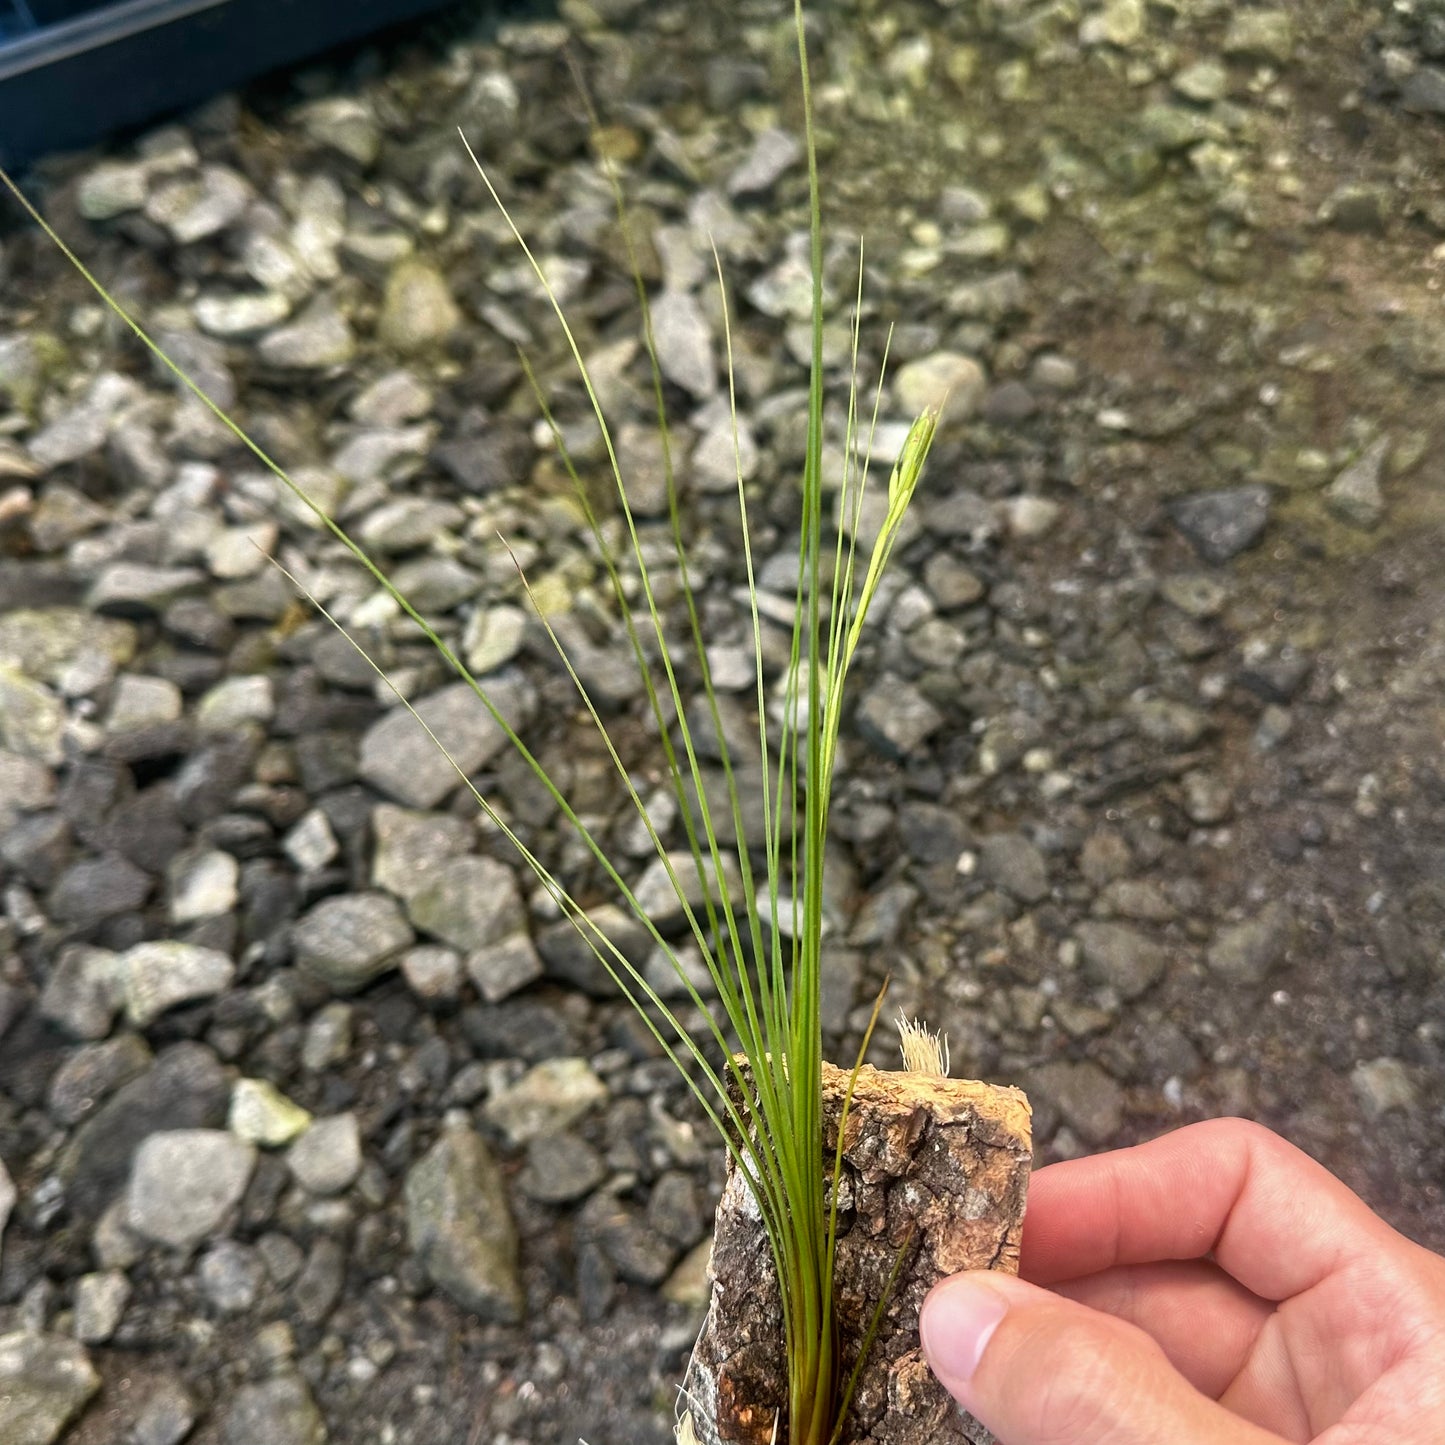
(1213, 1287)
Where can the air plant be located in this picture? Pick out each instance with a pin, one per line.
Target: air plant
(755, 1065)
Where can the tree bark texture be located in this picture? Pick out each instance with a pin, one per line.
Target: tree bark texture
(939, 1164)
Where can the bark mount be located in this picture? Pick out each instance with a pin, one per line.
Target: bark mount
(938, 1164)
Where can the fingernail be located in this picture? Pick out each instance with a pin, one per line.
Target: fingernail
(957, 1321)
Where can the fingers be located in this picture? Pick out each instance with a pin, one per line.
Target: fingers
(1038, 1369)
(1272, 1218)
(1205, 1322)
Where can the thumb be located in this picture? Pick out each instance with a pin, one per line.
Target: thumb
(1039, 1369)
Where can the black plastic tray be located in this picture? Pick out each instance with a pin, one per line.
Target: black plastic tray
(71, 70)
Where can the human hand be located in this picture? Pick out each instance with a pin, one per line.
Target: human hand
(1213, 1287)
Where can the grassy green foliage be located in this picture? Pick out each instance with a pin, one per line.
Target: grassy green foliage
(759, 922)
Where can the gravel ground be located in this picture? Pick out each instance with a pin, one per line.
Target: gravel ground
(314, 1124)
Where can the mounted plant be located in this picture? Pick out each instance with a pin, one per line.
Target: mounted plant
(849, 1191)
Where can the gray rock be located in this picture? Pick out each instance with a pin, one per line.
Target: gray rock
(1169, 723)
(1053, 372)
(608, 672)
(92, 1073)
(1355, 496)
(657, 896)
(1196, 594)
(644, 467)
(774, 153)
(349, 941)
(1090, 1101)
(1221, 525)
(231, 1275)
(720, 455)
(493, 637)
(1250, 951)
(460, 1225)
(881, 916)
(931, 833)
(111, 189)
(328, 1038)
(950, 583)
(1260, 35)
(83, 429)
(569, 956)
(1208, 798)
(560, 1169)
(8, 1196)
(411, 846)
(232, 704)
(480, 464)
(417, 312)
(21, 371)
(1120, 23)
(943, 378)
(167, 1416)
(26, 785)
(98, 888)
(897, 719)
(1139, 899)
(85, 991)
(468, 903)
(238, 317)
(13, 1002)
(684, 344)
(1424, 91)
(1358, 210)
(317, 340)
(344, 123)
(549, 1097)
(161, 975)
(435, 585)
(961, 512)
(382, 454)
(639, 1252)
(282, 1257)
(327, 1158)
(279, 1411)
(203, 885)
(786, 290)
(205, 361)
(1205, 81)
(185, 1183)
(185, 1089)
(192, 208)
(32, 720)
(48, 644)
(674, 1209)
(1121, 958)
(399, 759)
(1420, 347)
(502, 968)
(1029, 518)
(1009, 861)
(1382, 1085)
(132, 589)
(311, 844)
(261, 1114)
(320, 1282)
(138, 702)
(45, 1381)
(433, 973)
(408, 523)
(100, 1301)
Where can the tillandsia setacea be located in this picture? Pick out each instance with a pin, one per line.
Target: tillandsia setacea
(756, 918)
